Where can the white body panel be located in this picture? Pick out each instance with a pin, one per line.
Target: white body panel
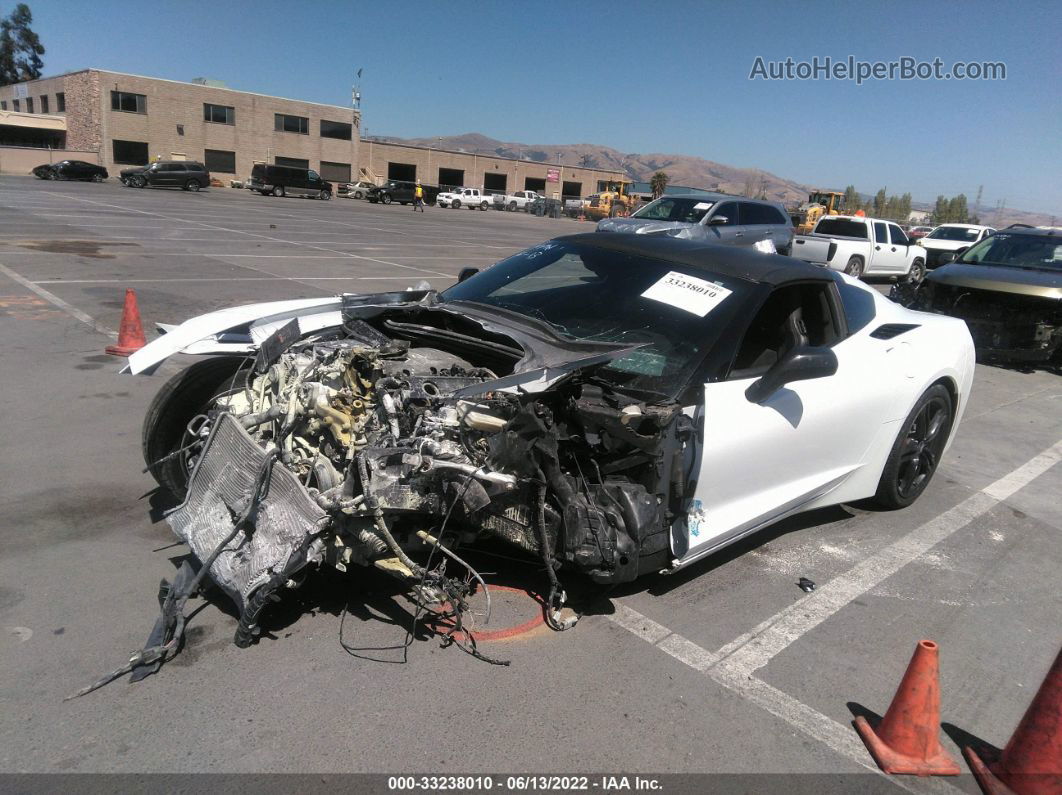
(472, 198)
(818, 442)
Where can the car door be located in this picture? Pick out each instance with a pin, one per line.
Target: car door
(883, 255)
(760, 461)
(900, 248)
(730, 231)
(757, 222)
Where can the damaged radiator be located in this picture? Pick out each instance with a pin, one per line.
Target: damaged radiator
(221, 486)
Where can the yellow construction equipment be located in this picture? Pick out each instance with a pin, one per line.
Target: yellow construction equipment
(615, 200)
(819, 203)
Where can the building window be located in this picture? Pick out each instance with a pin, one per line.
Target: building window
(130, 153)
(293, 162)
(44, 104)
(219, 160)
(335, 129)
(293, 124)
(3, 104)
(29, 105)
(219, 114)
(15, 105)
(335, 172)
(129, 103)
(60, 102)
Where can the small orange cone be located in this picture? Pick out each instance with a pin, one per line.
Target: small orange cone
(907, 739)
(130, 333)
(1031, 764)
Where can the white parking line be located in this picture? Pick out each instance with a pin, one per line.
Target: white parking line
(52, 298)
(733, 666)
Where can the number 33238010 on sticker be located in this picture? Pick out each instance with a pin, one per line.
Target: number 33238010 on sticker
(694, 295)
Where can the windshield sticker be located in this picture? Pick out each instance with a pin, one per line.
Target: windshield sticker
(703, 205)
(687, 292)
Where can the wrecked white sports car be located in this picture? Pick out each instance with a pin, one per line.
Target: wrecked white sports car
(610, 404)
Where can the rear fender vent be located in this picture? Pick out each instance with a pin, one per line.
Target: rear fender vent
(890, 330)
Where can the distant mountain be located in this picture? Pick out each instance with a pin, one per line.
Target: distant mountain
(695, 172)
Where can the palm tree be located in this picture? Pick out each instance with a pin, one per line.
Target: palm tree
(657, 183)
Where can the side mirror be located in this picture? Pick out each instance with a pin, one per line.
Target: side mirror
(800, 364)
(718, 220)
(466, 273)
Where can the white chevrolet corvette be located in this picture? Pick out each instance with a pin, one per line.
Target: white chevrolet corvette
(609, 404)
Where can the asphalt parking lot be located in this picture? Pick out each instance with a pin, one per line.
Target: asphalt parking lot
(725, 667)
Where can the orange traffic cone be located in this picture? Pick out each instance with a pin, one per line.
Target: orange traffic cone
(1031, 764)
(906, 740)
(130, 332)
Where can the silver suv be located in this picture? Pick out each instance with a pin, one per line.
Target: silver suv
(710, 217)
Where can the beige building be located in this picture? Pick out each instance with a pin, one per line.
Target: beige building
(130, 120)
(120, 120)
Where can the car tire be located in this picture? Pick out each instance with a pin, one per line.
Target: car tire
(325, 195)
(917, 272)
(140, 182)
(854, 268)
(917, 450)
(385, 198)
(456, 205)
(358, 194)
(192, 185)
(483, 206)
(512, 207)
(278, 191)
(177, 403)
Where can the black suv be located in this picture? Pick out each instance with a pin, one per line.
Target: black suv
(184, 174)
(402, 192)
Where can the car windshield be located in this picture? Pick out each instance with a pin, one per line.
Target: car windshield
(671, 208)
(1042, 252)
(956, 233)
(842, 227)
(675, 312)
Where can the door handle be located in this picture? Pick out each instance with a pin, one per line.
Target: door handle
(893, 248)
(877, 248)
(739, 234)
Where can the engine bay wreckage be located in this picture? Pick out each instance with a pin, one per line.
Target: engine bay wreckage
(403, 431)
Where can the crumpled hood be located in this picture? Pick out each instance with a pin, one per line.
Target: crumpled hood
(644, 226)
(1020, 281)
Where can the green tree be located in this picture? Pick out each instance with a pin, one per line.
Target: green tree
(20, 48)
(957, 210)
(905, 206)
(657, 183)
(879, 203)
(941, 211)
(851, 199)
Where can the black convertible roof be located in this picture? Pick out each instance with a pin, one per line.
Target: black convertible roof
(734, 261)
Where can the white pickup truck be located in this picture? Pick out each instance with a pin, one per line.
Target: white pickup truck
(515, 201)
(463, 197)
(861, 246)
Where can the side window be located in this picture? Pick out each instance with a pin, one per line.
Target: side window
(880, 235)
(313, 175)
(758, 214)
(898, 236)
(728, 210)
(793, 315)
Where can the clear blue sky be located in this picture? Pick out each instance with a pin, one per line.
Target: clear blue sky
(641, 77)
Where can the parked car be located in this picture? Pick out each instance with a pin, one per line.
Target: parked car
(918, 232)
(514, 201)
(356, 190)
(400, 191)
(861, 246)
(715, 218)
(610, 405)
(1008, 289)
(463, 197)
(947, 241)
(267, 179)
(184, 174)
(71, 169)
